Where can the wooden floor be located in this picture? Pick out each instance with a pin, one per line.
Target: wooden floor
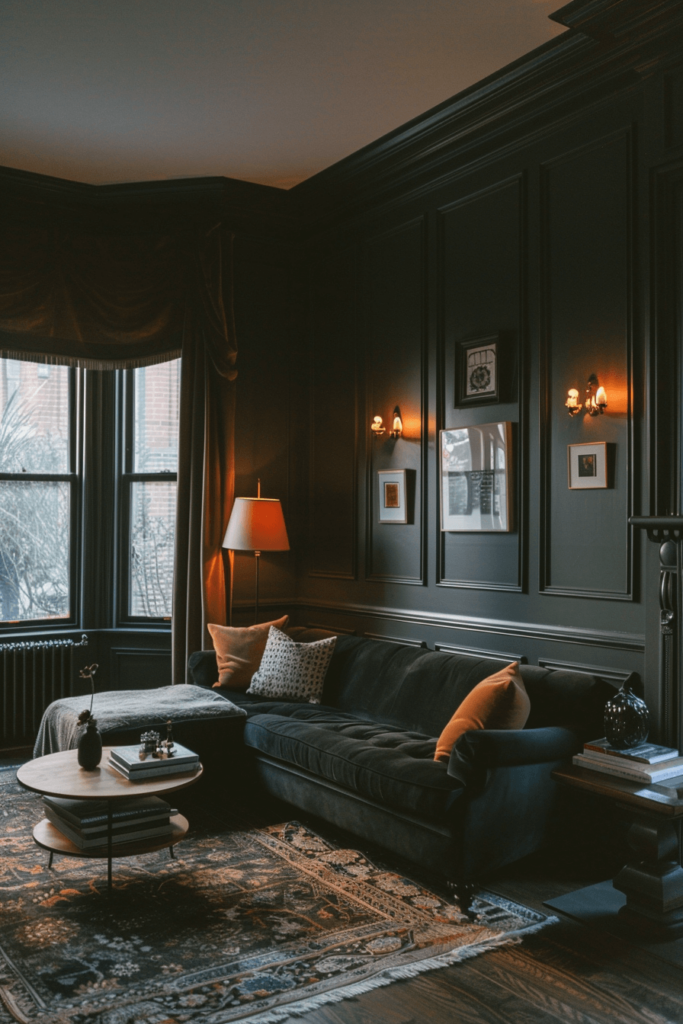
(567, 973)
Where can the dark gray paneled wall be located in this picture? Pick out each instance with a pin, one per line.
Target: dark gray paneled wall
(543, 244)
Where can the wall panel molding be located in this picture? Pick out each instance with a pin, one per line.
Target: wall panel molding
(479, 652)
(596, 359)
(381, 397)
(333, 422)
(611, 675)
(401, 641)
(513, 323)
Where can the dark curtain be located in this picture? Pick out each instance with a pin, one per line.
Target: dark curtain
(108, 301)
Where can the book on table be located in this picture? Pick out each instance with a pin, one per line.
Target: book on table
(168, 768)
(87, 830)
(635, 772)
(85, 814)
(643, 753)
(128, 761)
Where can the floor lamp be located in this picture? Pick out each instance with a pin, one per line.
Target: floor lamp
(256, 524)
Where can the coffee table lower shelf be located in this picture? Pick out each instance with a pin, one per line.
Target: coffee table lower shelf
(47, 836)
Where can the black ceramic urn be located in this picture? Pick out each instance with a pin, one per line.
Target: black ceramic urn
(627, 722)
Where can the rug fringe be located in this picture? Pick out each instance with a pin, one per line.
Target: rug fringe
(404, 973)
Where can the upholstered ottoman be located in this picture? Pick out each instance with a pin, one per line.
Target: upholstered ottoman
(203, 720)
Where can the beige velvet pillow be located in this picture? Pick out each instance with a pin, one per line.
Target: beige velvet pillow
(498, 702)
(239, 651)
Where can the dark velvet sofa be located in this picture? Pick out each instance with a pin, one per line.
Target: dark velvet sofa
(363, 759)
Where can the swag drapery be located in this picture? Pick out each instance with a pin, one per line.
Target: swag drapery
(116, 301)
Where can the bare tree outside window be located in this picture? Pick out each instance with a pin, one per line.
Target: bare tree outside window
(35, 505)
(153, 489)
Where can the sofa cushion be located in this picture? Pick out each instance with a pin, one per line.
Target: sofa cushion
(497, 702)
(239, 651)
(386, 764)
(292, 671)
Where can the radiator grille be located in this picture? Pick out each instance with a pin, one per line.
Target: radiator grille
(33, 673)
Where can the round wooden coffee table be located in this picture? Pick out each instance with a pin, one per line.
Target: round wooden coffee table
(61, 775)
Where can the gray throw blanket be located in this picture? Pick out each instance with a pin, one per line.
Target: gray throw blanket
(125, 709)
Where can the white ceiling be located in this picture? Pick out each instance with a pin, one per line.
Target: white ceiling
(270, 91)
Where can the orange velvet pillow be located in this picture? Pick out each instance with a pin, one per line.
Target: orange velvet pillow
(497, 702)
(239, 651)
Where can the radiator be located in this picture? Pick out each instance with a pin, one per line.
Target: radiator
(33, 673)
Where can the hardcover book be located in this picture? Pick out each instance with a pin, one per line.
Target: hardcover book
(129, 757)
(89, 842)
(644, 773)
(644, 753)
(93, 813)
(154, 771)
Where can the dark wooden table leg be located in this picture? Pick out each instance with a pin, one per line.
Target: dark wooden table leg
(110, 837)
(171, 853)
(653, 884)
(49, 863)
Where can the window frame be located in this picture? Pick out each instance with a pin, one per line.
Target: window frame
(74, 478)
(126, 476)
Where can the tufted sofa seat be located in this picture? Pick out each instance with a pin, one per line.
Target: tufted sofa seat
(363, 758)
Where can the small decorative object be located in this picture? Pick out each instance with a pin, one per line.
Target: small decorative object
(90, 740)
(149, 744)
(392, 496)
(627, 722)
(596, 398)
(168, 744)
(476, 489)
(478, 377)
(587, 465)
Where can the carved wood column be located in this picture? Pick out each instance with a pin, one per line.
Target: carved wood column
(667, 531)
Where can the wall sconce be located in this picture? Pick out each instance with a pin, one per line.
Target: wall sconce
(378, 428)
(596, 398)
(397, 426)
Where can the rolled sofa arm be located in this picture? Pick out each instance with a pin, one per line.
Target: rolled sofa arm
(203, 668)
(481, 749)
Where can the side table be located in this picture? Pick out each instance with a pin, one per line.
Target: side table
(60, 775)
(653, 882)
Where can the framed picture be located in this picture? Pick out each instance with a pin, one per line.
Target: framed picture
(587, 465)
(478, 378)
(392, 496)
(476, 479)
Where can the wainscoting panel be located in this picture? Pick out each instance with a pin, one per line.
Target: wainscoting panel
(333, 439)
(131, 668)
(673, 108)
(587, 260)
(482, 293)
(479, 652)
(393, 300)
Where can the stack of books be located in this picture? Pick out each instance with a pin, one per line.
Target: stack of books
(86, 822)
(126, 760)
(647, 763)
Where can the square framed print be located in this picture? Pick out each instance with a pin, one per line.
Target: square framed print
(476, 478)
(392, 496)
(587, 466)
(478, 377)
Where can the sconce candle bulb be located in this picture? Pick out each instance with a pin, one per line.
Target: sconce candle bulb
(573, 403)
(596, 397)
(376, 426)
(397, 426)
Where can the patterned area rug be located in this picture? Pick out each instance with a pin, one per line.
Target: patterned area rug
(247, 924)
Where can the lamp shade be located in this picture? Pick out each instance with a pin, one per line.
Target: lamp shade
(256, 524)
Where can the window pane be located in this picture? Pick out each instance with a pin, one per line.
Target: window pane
(157, 390)
(34, 417)
(34, 550)
(152, 536)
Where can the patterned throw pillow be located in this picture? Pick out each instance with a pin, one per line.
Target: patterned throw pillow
(291, 671)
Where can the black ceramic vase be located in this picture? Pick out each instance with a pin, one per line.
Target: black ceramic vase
(90, 746)
(627, 722)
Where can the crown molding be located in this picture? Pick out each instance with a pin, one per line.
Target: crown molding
(554, 83)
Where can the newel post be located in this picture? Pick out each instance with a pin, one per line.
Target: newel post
(667, 531)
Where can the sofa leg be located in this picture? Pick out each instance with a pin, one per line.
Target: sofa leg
(463, 892)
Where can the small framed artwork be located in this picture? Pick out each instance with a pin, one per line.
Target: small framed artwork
(478, 378)
(392, 496)
(476, 478)
(587, 465)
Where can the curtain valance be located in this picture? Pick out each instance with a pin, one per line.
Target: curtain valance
(111, 301)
